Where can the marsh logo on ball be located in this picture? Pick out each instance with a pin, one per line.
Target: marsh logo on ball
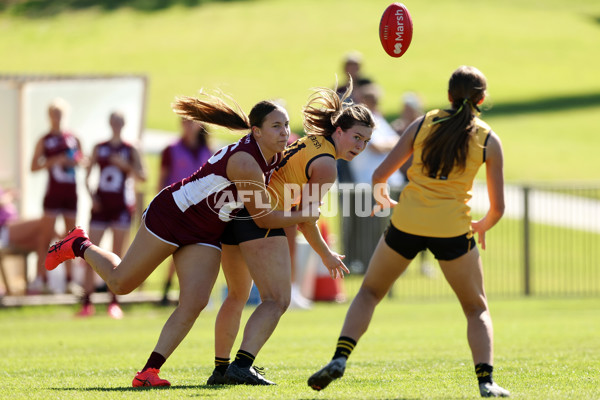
(395, 29)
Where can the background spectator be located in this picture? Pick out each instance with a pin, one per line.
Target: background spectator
(384, 137)
(113, 202)
(58, 152)
(352, 69)
(14, 232)
(352, 64)
(411, 108)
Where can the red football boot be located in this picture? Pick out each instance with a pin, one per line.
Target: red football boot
(87, 310)
(149, 378)
(62, 250)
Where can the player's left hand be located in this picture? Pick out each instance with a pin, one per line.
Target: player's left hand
(478, 228)
(335, 265)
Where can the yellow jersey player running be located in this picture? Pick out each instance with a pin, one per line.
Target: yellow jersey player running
(251, 253)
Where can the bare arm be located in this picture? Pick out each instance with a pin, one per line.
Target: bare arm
(88, 170)
(323, 173)
(81, 160)
(245, 172)
(38, 161)
(394, 160)
(165, 171)
(138, 169)
(162, 178)
(495, 186)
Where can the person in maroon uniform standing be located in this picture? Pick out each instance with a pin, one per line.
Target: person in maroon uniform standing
(178, 161)
(187, 219)
(58, 152)
(113, 201)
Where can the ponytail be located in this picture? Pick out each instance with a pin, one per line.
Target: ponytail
(212, 110)
(448, 146)
(325, 111)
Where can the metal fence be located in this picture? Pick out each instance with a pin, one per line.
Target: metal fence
(547, 244)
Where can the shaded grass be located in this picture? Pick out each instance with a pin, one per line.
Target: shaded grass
(413, 350)
(40, 9)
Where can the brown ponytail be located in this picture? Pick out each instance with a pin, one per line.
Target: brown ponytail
(448, 145)
(213, 110)
(326, 110)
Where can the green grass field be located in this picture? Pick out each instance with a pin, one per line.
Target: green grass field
(545, 349)
(542, 62)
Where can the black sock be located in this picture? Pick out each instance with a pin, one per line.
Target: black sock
(221, 364)
(344, 347)
(80, 245)
(155, 361)
(85, 300)
(243, 359)
(484, 373)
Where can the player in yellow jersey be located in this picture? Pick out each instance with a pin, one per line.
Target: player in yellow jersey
(448, 147)
(250, 252)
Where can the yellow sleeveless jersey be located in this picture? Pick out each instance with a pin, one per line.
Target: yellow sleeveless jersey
(292, 172)
(437, 207)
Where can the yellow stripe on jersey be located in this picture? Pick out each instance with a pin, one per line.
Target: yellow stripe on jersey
(429, 206)
(293, 169)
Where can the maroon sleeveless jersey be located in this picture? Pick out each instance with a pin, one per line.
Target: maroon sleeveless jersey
(113, 190)
(61, 192)
(197, 209)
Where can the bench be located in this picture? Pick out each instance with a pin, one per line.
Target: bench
(5, 258)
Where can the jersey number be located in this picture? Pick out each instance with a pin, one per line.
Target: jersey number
(221, 153)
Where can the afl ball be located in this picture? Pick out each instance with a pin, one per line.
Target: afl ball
(395, 29)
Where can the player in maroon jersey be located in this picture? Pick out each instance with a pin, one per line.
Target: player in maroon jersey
(113, 201)
(188, 218)
(58, 152)
(178, 161)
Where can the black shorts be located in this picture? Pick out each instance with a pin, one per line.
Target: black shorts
(243, 229)
(408, 246)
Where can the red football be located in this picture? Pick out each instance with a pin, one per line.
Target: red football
(395, 29)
